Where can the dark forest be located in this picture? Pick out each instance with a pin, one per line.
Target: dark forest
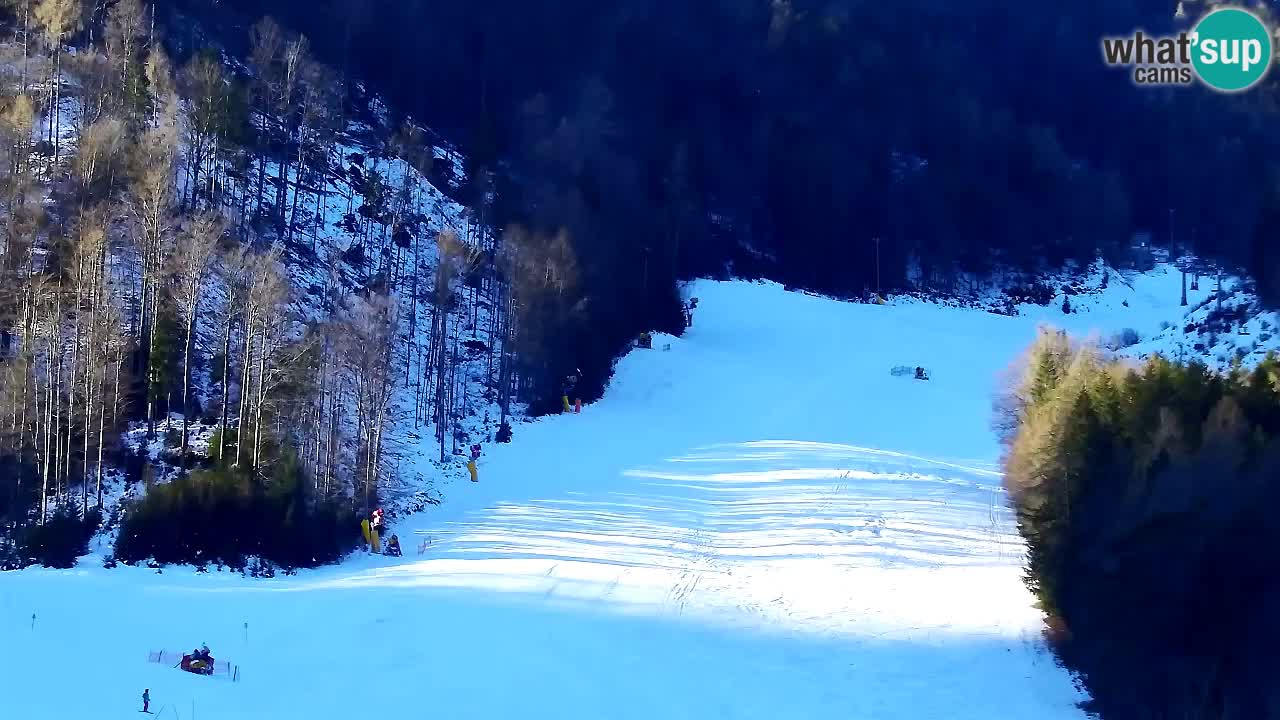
(759, 135)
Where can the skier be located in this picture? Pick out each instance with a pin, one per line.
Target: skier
(921, 374)
(146, 700)
(376, 524)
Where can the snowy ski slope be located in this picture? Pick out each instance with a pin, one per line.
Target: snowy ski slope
(760, 522)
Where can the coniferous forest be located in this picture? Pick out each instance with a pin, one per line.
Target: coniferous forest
(768, 133)
(1145, 494)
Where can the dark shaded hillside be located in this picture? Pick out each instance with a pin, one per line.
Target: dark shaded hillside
(802, 125)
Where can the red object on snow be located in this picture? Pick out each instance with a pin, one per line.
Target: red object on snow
(199, 666)
(192, 663)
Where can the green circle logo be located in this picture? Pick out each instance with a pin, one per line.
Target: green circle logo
(1232, 49)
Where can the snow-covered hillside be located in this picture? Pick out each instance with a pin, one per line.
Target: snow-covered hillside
(758, 522)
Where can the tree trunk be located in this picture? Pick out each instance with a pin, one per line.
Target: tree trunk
(260, 401)
(442, 376)
(297, 193)
(48, 440)
(55, 398)
(102, 417)
(247, 361)
(56, 120)
(115, 392)
(193, 172)
(186, 385)
(226, 384)
(282, 192)
(151, 349)
(262, 170)
(88, 415)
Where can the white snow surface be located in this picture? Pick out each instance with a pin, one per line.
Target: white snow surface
(760, 522)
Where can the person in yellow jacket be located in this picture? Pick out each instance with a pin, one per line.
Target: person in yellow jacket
(570, 385)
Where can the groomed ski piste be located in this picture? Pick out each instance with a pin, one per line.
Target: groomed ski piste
(759, 522)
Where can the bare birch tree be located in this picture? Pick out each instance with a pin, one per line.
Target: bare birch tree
(366, 336)
(192, 267)
(234, 272)
(151, 205)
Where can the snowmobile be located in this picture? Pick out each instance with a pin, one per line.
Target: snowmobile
(197, 663)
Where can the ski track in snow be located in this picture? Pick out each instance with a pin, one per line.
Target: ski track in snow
(761, 522)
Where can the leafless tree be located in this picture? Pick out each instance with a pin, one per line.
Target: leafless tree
(59, 19)
(126, 33)
(234, 269)
(266, 322)
(192, 268)
(366, 334)
(151, 205)
(164, 95)
(101, 147)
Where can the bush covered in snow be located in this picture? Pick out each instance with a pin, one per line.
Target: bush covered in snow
(224, 516)
(1146, 497)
